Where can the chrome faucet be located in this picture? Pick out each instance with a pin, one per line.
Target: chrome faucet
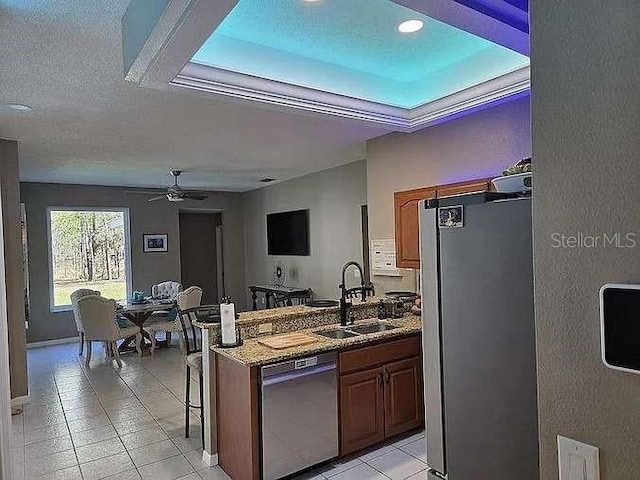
(347, 294)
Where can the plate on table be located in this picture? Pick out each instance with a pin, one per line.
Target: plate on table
(322, 303)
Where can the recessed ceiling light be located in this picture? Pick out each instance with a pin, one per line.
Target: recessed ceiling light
(18, 107)
(410, 26)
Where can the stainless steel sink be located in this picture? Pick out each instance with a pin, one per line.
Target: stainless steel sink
(356, 330)
(338, 334)
(374, 328)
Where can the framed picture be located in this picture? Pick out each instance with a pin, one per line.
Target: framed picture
(451, 217)
(156, 243)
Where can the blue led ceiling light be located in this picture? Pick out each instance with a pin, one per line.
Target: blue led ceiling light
(354, 48)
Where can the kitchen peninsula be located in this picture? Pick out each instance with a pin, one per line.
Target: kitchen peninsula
(357, 390)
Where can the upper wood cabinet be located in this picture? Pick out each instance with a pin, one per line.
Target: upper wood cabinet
(407, 225)
(407, 218)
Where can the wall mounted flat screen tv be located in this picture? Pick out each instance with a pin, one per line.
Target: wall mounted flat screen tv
(288, 233)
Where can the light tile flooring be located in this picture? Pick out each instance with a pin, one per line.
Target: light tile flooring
(103, 422)
(399, 460)
(129, 424)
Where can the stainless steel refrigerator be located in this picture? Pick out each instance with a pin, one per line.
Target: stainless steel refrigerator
(478, 335)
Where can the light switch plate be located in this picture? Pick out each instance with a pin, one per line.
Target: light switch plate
(265, 328)
(577, 460)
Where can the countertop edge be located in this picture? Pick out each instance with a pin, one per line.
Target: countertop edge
(325, 344)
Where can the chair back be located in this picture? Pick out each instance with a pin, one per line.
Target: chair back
(189, 298)
(191, 335)
(167, 289)
(98, 315)
(298, 299)
(356, 292)
(75, 296)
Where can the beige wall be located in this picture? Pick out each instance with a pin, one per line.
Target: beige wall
(334, 198)
(474, 146)
(147, 268)
(9, 187)
(586, 148)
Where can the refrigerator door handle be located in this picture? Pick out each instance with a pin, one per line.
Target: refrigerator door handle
(431, 338)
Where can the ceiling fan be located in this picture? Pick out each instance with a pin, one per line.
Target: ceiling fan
(175, 193)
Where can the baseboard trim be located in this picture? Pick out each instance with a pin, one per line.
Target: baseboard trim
(57, 341)
(210, 460)
(18, 401)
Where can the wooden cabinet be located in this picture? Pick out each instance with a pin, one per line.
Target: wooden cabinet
(471, 186)
(380, 393)
(407, 216)
(362, 409)
(407, 225)
(403, 399)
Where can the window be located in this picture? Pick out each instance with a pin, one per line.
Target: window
(88, 248)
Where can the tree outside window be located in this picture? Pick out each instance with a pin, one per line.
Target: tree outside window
(88, 250)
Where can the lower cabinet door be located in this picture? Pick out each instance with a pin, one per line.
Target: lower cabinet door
(403, 401)
(361, 410)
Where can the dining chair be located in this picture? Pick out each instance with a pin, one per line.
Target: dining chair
(193, 360)
(356, 292)
(98, 316)
(169, 289)
(189, 298)
(75, 296)
(299, 299)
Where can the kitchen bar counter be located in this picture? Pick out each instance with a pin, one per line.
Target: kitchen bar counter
(284, 313)
(282, 320)
(253, 354)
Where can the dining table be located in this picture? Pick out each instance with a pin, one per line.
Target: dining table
(138, 313)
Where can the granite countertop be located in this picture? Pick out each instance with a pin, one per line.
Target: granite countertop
(297, 311)
(254, 354)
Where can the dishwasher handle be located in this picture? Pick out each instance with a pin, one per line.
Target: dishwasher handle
(295, 374)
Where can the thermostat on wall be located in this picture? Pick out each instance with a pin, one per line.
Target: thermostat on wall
(620, 326)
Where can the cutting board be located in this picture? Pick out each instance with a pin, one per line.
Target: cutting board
(287, 340)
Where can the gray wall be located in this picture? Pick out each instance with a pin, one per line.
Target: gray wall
(13, 266)
(147, 268)
(586, 149)
(333, 198)
(478, 145)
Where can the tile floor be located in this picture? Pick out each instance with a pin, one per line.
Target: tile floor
(401, 459)
(103, 423)
(129, 424)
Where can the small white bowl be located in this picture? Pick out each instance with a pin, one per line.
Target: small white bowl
(520, 182)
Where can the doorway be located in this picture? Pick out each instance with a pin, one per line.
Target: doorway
(200, 253)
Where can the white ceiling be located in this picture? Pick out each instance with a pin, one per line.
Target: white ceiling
(90, 126)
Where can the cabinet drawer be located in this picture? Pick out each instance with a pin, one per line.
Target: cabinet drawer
(376, 355)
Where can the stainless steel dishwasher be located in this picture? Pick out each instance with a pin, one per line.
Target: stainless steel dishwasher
(299, 414)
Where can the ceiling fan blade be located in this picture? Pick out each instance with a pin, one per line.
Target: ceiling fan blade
(143, 192)
(159, 197)
(194, 196)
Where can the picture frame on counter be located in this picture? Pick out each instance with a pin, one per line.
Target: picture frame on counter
(156, 243)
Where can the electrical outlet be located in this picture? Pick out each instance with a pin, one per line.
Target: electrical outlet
(577, 460)
(265, 328)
